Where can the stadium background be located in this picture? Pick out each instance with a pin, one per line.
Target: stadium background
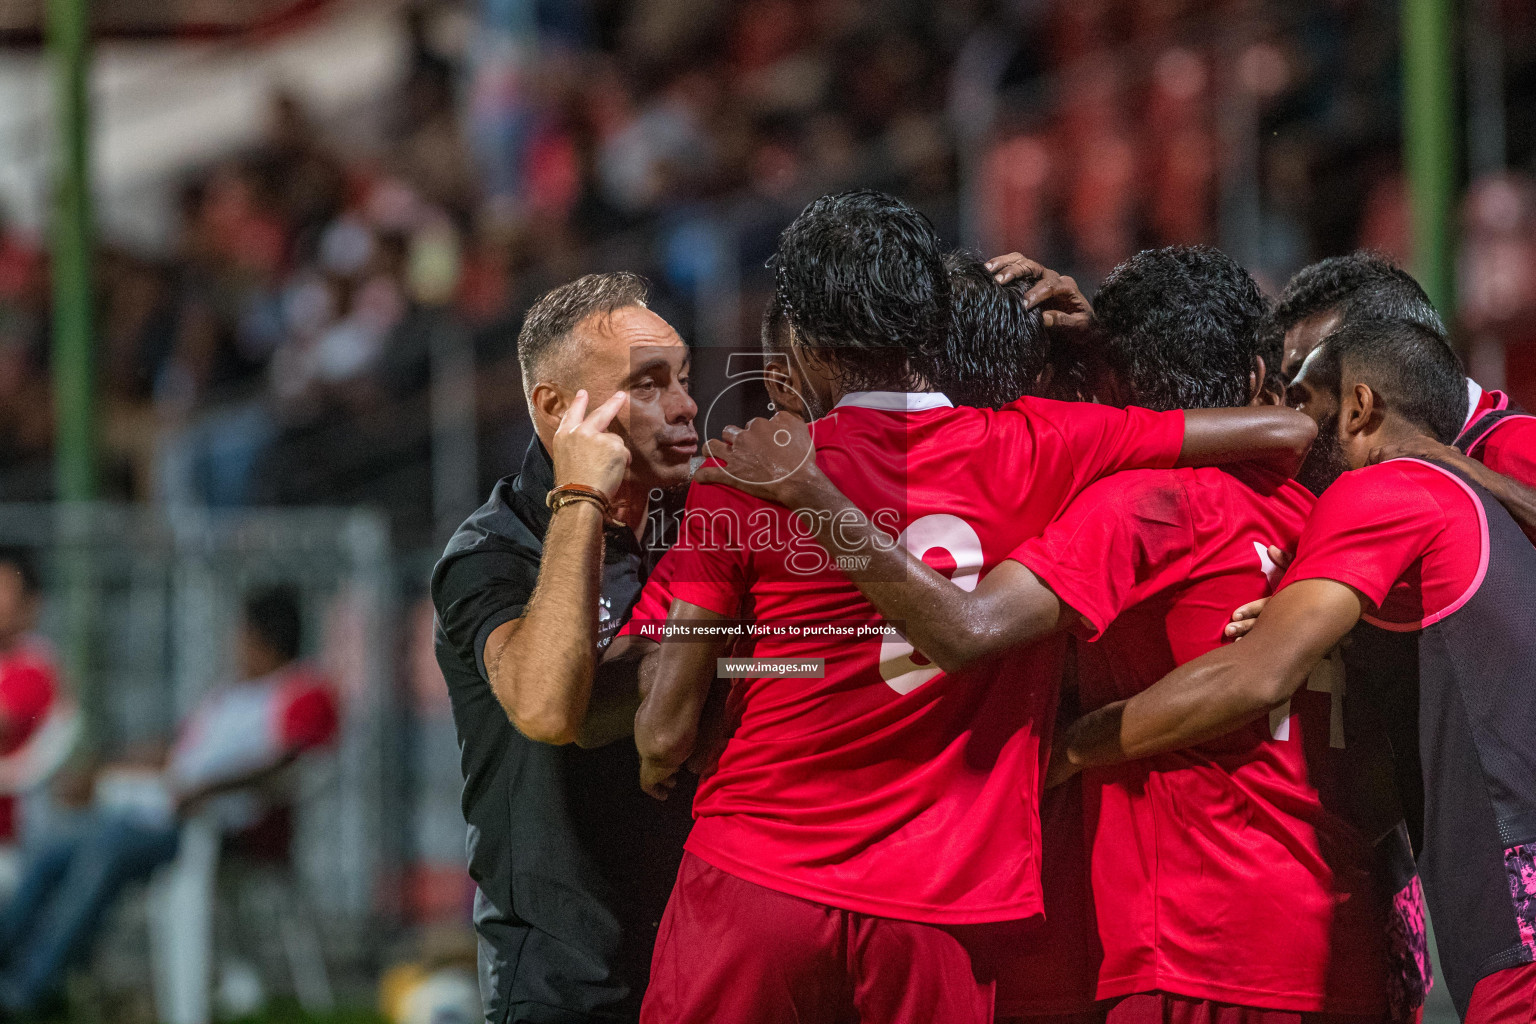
(277, 341)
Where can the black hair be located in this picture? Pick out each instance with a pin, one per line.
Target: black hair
(861, 278)
(1183, 325)
(1410, 368)
(1364, 285)
(997, 348)
(24, 561)
(272, 613)
(558, 312)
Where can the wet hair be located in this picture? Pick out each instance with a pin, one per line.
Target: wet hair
(1182, 326)
(1410, 368)
(272, 613)
(861, 279)
(558, 312)
(24, 562)
(1364, 285)
(997, 348)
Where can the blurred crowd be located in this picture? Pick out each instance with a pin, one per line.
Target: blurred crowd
(282, 350)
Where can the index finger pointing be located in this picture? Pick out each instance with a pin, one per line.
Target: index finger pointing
(574, 413)
(604, 414)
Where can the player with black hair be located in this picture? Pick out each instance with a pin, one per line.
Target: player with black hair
(1149, 563)
(1326, 295)
(1433, 583)
(869, 332)
(998, 347)
(1184, 328)
(1496, 444)
(861, 825)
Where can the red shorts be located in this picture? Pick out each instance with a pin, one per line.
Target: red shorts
(1049, 972)
(731, 952)
(1504, 997)
(1165, 1008)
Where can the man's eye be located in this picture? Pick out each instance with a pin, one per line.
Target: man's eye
(686, 383)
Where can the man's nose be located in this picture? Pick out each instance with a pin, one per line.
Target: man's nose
(682, 408)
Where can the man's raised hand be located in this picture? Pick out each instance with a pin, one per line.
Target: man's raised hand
(771, 459)
(1061, 302)
(585, 451)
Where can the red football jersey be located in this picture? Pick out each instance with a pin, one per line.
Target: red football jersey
(1218, 871)
(1405, 534)
(888, 787)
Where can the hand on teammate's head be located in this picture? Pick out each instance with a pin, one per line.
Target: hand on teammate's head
(1063, 305)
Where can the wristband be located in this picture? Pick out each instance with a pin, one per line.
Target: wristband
(563, 495)
(561, 501)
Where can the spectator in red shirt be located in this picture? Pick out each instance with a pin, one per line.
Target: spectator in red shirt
(28, 679)
(236, 738)
(1430, 578)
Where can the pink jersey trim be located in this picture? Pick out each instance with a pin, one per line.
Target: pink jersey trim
(1482, 562)
(1496, 425)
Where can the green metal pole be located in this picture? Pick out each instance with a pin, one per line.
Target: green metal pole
(75, 452)
(75, 441)
(1429, 142)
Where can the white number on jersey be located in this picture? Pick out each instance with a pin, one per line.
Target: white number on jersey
(1327, 677)
(936, 532)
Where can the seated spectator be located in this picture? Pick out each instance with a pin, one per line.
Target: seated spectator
(28, 678)
(237, 738)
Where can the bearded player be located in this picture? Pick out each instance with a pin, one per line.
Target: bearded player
(1496, 445)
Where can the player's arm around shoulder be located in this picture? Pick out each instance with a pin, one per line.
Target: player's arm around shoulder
(1274, 435)
(1223, 689)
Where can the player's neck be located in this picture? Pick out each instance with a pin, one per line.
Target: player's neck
(1394, 430)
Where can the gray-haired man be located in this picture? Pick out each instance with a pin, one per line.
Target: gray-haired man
(573, 862)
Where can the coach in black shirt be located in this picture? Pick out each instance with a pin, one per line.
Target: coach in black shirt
(573, 861)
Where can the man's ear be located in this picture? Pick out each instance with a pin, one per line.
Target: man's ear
(548, 403)
(781, 381)
(1258, 394)
(1361, 411)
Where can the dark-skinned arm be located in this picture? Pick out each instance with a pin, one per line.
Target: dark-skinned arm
(953, 628)
(615, 693)
(676, 677)
(1276, 437)
(1221, 690)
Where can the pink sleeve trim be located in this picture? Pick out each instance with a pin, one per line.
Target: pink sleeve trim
(1482, 562)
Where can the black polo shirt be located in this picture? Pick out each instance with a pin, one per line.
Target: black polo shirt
(574, 863)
